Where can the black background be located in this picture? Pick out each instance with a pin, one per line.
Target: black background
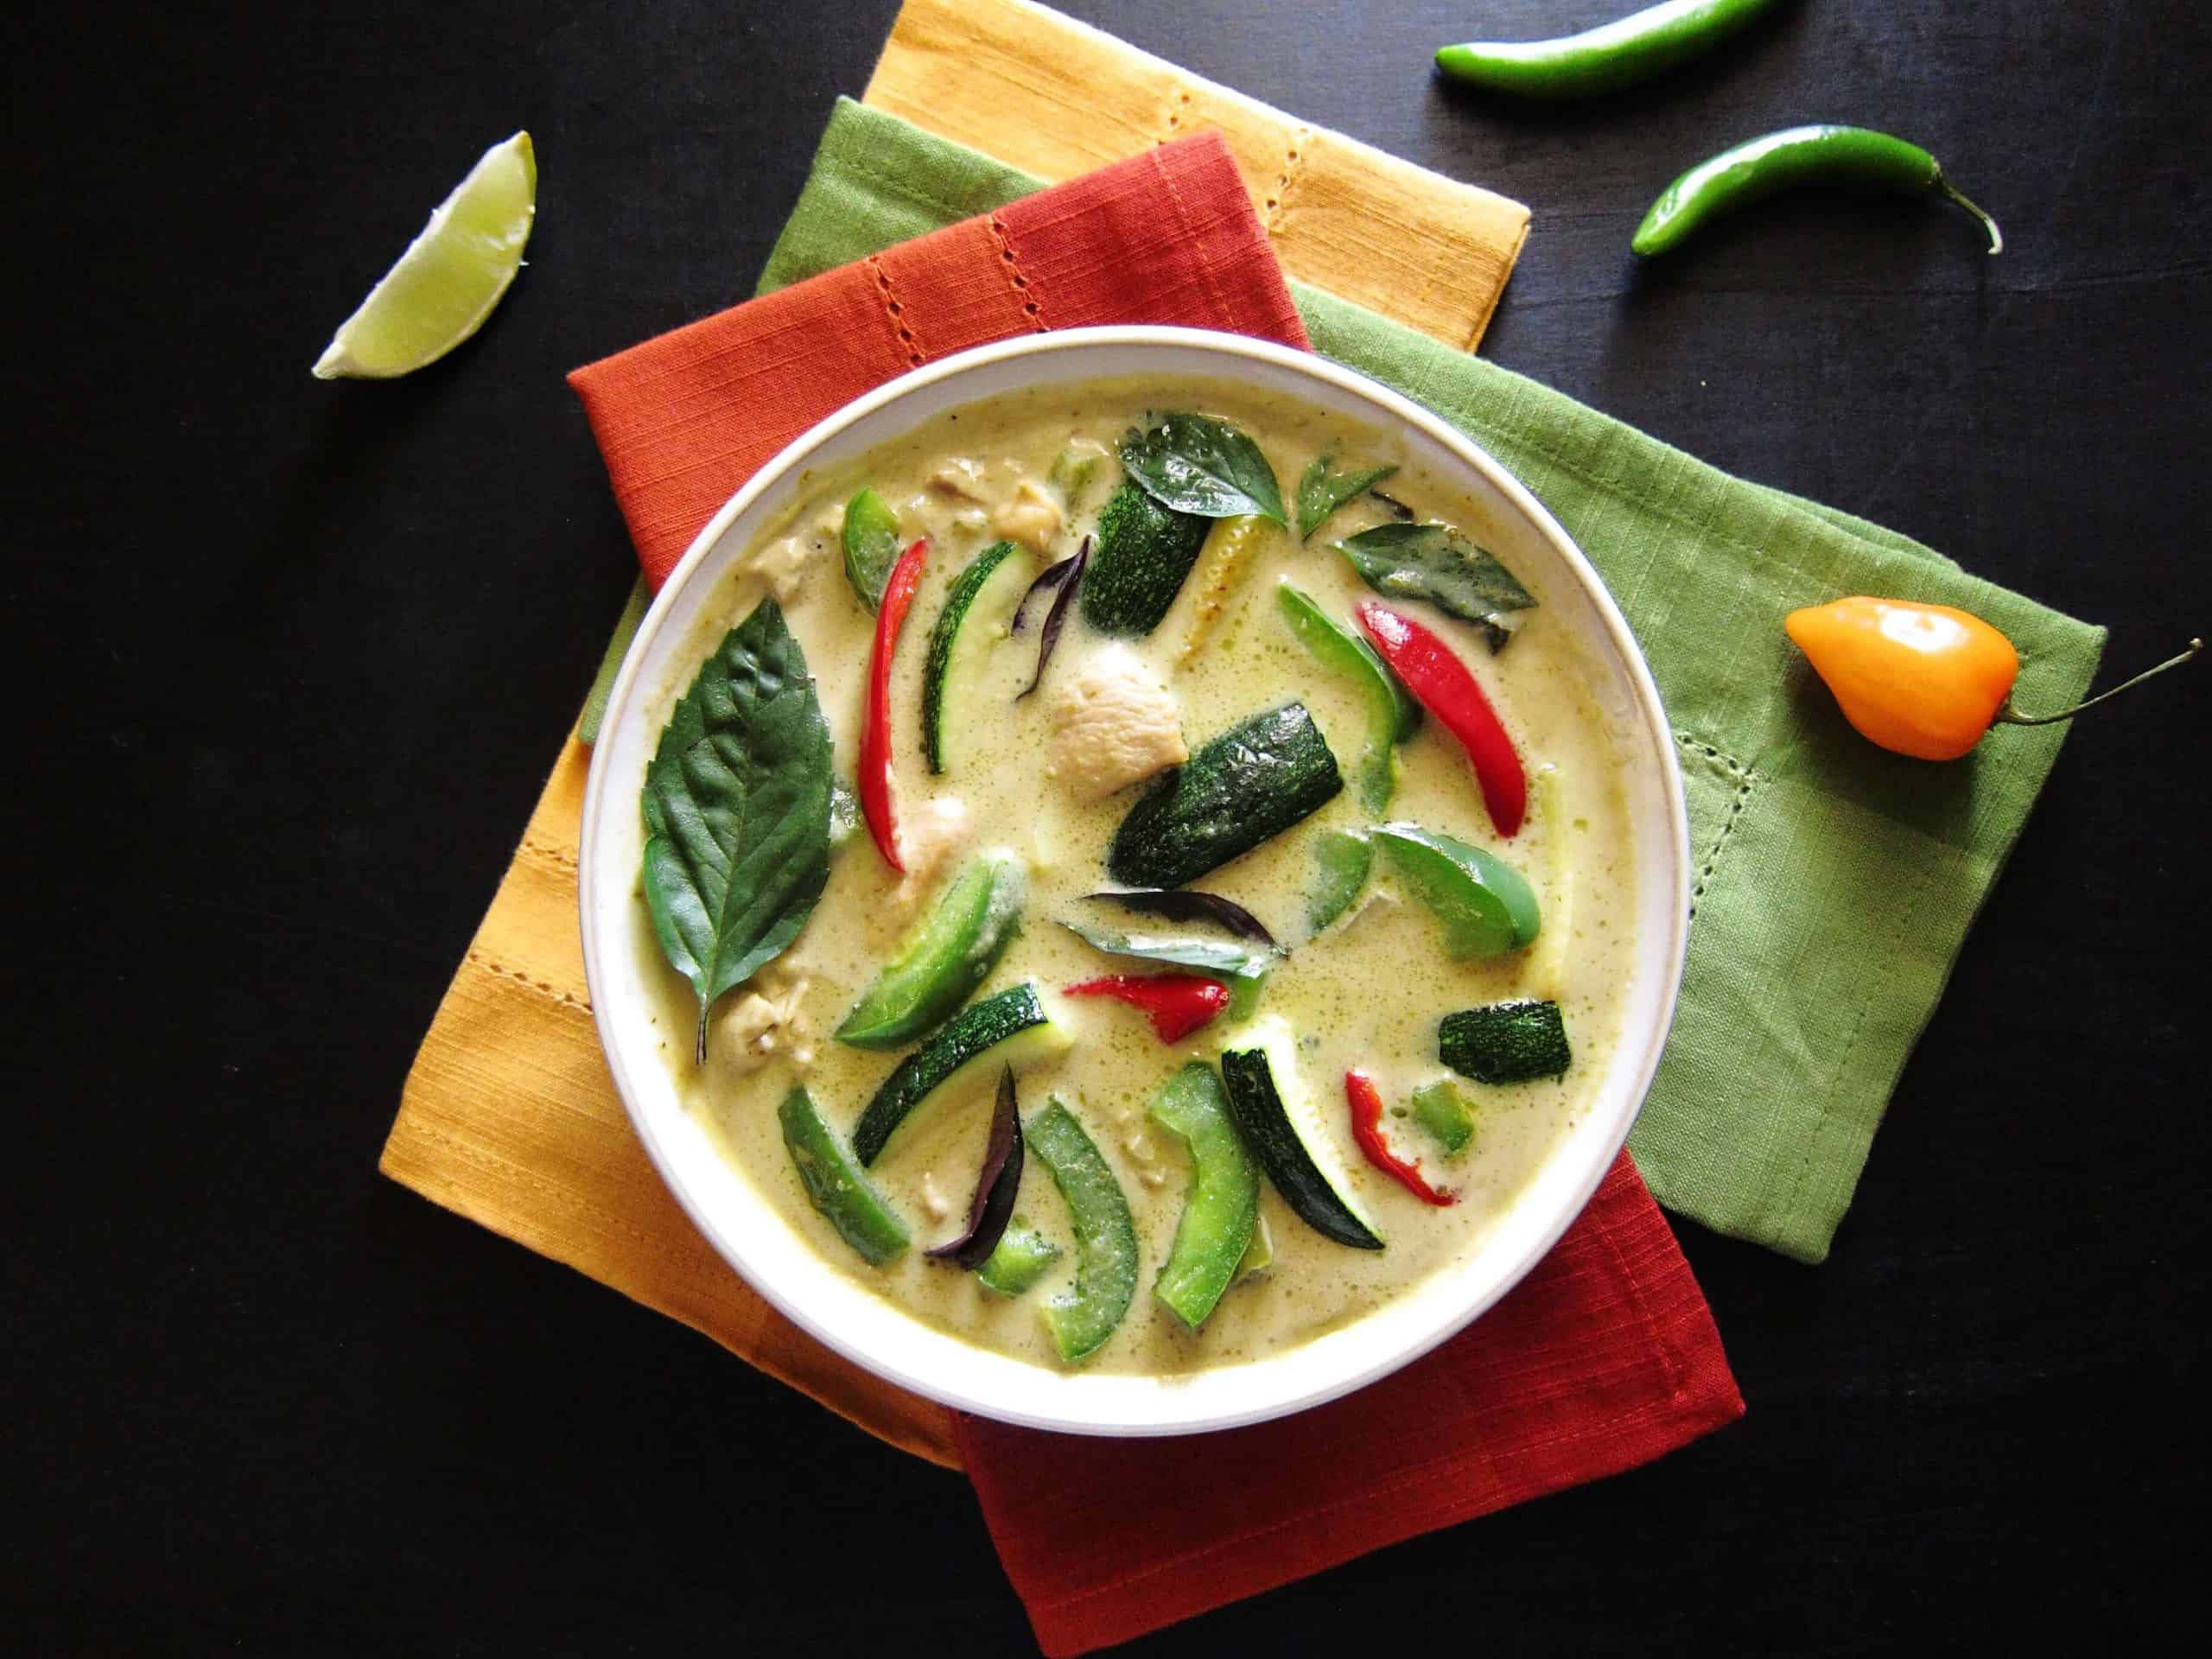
(291, 659)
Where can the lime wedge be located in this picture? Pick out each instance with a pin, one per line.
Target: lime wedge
(450, 276)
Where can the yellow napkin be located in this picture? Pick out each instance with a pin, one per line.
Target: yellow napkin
(1056, 98)
(508, 1116)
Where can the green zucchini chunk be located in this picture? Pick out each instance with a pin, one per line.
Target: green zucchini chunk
(835, 1185)
(1439, 1107)
(1215, 1231)
(948, 953)
(1018, 1261)
(937, 668)
(1506, 1042)
(1105, 1235)
(1009, 1029)
(1483, 904)
(1142, 553)
(1255, 780)
(1282, 1124)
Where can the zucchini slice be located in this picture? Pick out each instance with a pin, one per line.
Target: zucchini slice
(1105, 1235)
(946, 633)
(947, 954)
(1215, 1233)
(835, 1185)
(1011, 1028)
(1142, 553)
(1506, 1042)
(1255, 780)
(1282, 1125)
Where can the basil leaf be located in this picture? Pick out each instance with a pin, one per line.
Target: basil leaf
(1207, 955)
(871, 541)
(1197, 465)
(1436, 562)
(992, 1207)
(1055, 618)
(737, 811)
(1189, 905)
(1322, 490)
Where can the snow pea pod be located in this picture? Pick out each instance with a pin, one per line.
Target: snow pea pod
(1607, 58)
(1853, 157)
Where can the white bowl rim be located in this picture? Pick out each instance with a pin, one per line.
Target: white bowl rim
(1395, 407)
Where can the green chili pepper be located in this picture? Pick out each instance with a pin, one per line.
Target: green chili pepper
(1852, 157)
(1607, 58)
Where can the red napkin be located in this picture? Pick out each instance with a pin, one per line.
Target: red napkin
(1605, 1357)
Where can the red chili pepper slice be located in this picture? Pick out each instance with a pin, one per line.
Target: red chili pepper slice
(1367, 1130)
(1448, 690)
(876, 730)
(1178, 1003)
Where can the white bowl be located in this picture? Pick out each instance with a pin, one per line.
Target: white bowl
(871, 1330)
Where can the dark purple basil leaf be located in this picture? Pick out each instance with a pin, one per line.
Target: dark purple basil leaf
(1399, 510)
(1055, 618)
(1050, 578)
(996, 1185)
(1188, 905)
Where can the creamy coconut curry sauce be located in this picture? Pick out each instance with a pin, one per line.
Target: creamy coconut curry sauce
(1037, 794)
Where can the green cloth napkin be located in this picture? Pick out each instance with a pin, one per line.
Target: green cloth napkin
(1834, 882)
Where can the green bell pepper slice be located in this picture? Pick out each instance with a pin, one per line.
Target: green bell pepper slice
(1342, 859)
(1019, 1259)
(835, 1185)
(870, 541)
(1222, 1203)
(1392, 714)
(1105, 1235)
(949, 953)
(1483, 904)
(1442, 1110)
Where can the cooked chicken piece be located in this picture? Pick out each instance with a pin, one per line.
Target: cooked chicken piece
(765, 1024)
(934, 1201)
(929, 833)
(962, 478)
(1033, 518)
(786, 563)
(1113, 724)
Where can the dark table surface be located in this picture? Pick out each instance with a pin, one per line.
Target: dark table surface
(292, 659)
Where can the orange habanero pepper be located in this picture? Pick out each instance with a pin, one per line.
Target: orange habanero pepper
(1923, 680)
